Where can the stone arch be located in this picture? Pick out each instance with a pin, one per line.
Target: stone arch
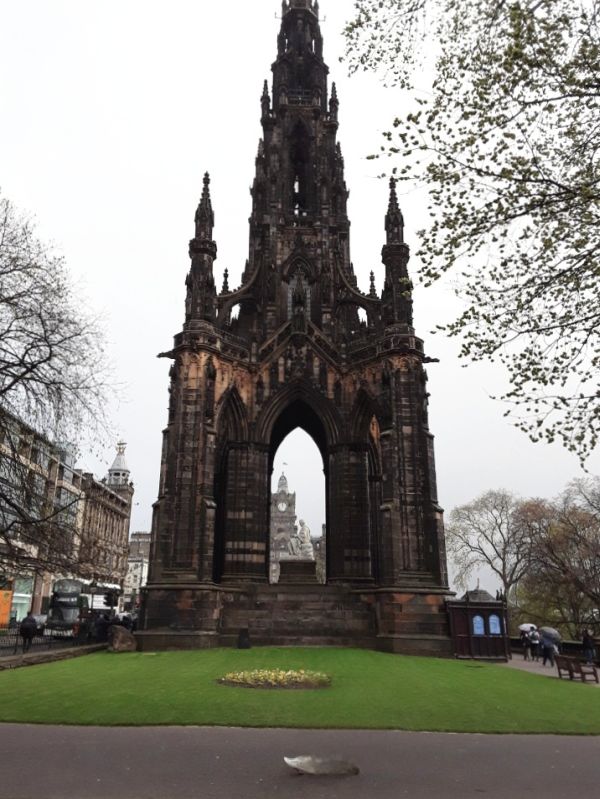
(231, 468)
(300, 394)
(232, 416)
(297, 413)
(364, 409)
(297, 262)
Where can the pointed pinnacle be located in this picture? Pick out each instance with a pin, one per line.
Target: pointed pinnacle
(334, 97)
(206, 189)
(393, 204)
(205, 203)
(265, 94)
(225, 289)
(373, 290)
(204, 214)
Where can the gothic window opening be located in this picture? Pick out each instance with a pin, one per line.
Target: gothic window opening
(299, 160)
(297, 525)
(299, 288)
(349, 323)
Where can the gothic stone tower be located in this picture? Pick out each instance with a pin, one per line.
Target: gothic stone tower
(299, 353)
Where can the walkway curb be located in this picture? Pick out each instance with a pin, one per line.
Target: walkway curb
(37, 658)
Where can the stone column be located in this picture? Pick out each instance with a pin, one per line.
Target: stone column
(245, 520)
(349, 547)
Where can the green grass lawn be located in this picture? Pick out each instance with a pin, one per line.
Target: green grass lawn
(370, 690)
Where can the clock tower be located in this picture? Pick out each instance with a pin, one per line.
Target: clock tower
(283, 526)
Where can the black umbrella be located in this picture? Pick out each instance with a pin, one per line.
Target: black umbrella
(550, 632)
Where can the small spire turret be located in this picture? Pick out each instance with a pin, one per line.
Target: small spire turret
(225, 289)
(265, 101)
(205, 218)
(334, 103)
(397, 294)
(394, 221)
(372, 289)
(201, 292)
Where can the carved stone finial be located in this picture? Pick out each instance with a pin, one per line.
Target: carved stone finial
(394, 221)
(372, 290)
(393, 203)
(205, 218)
(265, 100)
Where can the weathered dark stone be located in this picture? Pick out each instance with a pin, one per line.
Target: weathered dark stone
(298, 354)
(121, 640)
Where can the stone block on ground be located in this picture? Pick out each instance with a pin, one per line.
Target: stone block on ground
(121, 640)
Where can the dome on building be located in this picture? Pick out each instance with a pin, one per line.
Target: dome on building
(118, 474)
(283, 483)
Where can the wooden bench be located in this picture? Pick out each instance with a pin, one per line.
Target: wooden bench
(584, 670)
(564, 664)
(574, 668)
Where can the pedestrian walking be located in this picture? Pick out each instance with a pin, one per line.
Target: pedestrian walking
(27, 630)
(547, 649)
(534, 640)
(588, 646)
(526, 643)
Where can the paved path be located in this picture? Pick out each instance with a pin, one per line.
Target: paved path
(536, 667)
(219, 763)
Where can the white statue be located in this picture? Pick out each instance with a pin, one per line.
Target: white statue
(306, 547)
(295, 544)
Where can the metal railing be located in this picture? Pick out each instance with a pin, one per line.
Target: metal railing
(12, 642)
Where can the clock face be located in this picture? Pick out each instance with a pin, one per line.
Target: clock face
(282, 506)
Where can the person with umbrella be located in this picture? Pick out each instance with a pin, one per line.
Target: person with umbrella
(534, 640)
(550, 638)
(526, 630)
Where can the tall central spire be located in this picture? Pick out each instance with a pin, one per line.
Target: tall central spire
(309, 5)
(299, 73)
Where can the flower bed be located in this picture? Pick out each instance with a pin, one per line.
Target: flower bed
(276, 678)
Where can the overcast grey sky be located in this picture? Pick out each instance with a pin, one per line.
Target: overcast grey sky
(111, 111)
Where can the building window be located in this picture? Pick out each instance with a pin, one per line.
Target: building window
(478, 625)
(495, 625)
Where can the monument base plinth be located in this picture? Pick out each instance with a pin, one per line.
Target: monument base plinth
(297, 571)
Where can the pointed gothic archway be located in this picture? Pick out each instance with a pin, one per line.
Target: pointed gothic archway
(299, 415)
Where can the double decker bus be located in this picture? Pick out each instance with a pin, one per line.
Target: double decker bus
(68, 605)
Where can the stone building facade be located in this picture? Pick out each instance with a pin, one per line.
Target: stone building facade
(308, 348)
(105, 524)
(39, 482)
(137, 569)
(87, 526)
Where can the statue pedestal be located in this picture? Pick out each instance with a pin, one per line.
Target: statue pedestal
(297, 571)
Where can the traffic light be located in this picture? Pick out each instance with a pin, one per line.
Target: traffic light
(111, 598)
